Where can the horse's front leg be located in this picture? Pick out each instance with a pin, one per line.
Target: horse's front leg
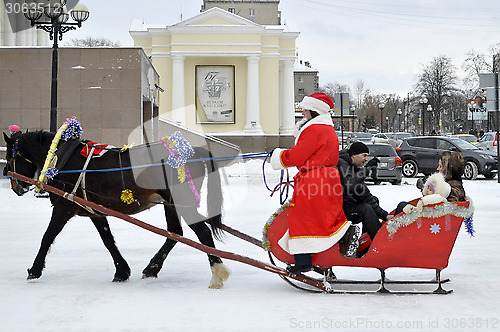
(60, 216)
(122, 272)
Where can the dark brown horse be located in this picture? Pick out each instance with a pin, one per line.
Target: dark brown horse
(143, 171)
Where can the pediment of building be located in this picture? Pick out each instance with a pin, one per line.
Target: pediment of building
(216, 17)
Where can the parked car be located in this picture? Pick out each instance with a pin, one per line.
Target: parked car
(389, 168)
(488, 142)
(393, 139)
(381, 138)
(467, 137)
(422, 154)
(359, 137)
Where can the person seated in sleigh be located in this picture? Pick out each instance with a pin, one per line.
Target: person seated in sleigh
(359, 204)
(316, 220)
(444, 186)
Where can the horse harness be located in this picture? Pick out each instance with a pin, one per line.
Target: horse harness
(15, 153)
(62, 156)
(66, 151)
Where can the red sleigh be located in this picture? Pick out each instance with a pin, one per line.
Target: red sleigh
(415, 240)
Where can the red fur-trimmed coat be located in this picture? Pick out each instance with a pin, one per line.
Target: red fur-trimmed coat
(316, 220)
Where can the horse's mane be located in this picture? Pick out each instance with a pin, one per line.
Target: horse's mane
(36, 143)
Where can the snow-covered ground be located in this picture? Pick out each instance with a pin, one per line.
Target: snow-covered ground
(75, 293)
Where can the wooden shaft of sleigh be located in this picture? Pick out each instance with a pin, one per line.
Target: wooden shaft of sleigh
(170, 235)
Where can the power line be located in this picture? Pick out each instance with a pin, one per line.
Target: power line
(388, 17)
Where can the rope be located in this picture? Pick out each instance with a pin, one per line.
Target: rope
(279, 185)
(243, 156)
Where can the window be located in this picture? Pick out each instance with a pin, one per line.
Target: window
(231, 10)
(382, 150)
(251, 12)
(444, 145)
(425, 143)
(301, 79)
(411, 141)
(486, 137)
(301, 92)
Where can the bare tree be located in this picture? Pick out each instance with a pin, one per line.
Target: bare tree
(333, 88)
(477, 63)
(90, 41)
(360, 92)
(373, 117)
(437, 81)
(474, 64)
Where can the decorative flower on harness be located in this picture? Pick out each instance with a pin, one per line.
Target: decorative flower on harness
(74, 129)
(180, 152)
(70, 129)
(179, 147)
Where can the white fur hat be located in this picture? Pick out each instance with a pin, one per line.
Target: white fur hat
(440, 186)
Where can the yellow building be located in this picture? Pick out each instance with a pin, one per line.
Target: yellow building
(223, 74)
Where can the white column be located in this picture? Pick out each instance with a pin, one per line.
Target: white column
(288, 110)
(253, 96)
(9, 37)
(42, 38)
(178, 90)
(34, 36)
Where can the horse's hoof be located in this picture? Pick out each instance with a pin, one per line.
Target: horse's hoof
(216, 286)
(220, 273)
(119, 279)
(147, 275)
(151, 271)
(32, 276)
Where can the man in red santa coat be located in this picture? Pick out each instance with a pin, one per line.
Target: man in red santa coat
(316, 220)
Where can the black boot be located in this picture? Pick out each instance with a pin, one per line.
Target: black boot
(303, 263)
(296, 269)
(351, 242)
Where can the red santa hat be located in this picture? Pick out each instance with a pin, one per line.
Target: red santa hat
(318, 102)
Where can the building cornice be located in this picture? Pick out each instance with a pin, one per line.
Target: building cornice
(204, 54)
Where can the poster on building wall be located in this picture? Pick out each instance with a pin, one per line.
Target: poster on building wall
(215, 94)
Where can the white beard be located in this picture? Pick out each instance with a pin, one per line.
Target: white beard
(298, 126)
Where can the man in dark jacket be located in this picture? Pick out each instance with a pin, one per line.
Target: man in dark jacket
(371, 169)
(360, 206)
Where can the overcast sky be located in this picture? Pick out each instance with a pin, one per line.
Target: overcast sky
(386, 43)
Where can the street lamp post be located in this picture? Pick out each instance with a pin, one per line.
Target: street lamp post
(429, 109)
(399, 123)
(381, 106)
(423, 101)
(55, 23)
(387, 121)
(353, 110)
(472, 109)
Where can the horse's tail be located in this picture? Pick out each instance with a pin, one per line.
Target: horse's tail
(214, 193)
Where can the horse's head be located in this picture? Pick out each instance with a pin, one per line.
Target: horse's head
(18, 161)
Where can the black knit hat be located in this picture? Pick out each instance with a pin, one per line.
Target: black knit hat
(357, 148)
